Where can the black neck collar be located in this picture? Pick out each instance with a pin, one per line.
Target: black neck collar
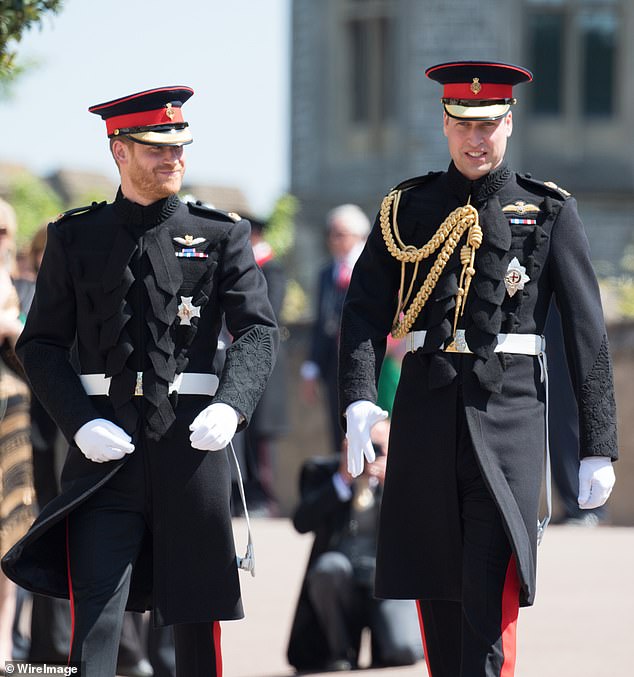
(480, 189)
(144, 217)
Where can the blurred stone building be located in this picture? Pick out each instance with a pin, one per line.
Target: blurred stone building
(365, 117)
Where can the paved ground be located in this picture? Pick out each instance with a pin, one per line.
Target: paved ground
(580, 626)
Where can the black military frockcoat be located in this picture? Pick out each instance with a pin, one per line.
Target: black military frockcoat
(111, 285)
(501, 395)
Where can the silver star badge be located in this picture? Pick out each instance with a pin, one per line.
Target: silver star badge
(187, 310)
(515, 277)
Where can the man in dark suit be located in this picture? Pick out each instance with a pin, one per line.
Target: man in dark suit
(347, 229)
(464, 264)
(139, 287)
(336, 601)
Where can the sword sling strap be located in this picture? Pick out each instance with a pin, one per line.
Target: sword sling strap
(247, 563)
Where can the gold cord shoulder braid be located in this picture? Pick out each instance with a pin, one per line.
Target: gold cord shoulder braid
(449, 233)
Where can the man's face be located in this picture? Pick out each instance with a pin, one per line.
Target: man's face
(477, 146)
(341, 240)
(150, 173)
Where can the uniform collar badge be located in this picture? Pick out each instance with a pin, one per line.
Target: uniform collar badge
(515, 277)
(189, 243)
(187, 310)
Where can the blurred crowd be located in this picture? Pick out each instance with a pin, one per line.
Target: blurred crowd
(336, 602)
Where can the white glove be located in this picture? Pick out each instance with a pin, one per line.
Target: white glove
(214, 427)
(596, 479)
(100, 441)
(361, 416)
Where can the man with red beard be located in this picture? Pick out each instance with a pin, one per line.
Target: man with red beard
(137, 289)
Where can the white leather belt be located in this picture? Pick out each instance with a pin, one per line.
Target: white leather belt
(523, 344)
(184, 384)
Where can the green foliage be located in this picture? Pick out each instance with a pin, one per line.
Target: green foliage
(624, 284)
(618, 287)
(280, 228)
(280, 234)
(627, 262)
(35, 204)
(17, 16)
(295, 306)
(626, 296)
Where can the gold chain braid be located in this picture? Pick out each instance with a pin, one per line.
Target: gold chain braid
(449, 232)
(409, 253)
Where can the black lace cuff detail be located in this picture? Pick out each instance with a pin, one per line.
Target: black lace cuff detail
(357, 374)
(248, 365)
(597, 408)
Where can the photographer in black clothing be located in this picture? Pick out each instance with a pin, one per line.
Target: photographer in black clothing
(336, 601)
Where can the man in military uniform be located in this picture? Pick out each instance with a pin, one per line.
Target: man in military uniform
(464, 263)
(138, 289)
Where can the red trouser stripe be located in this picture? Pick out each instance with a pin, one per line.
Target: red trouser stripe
(70, 594)
(422, 634)
(510, 612)
(217, 649)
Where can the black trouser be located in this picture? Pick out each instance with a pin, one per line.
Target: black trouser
(105, 535)
(50, 630)
(475, 637)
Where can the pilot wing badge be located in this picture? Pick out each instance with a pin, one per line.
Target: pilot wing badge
(188, 244)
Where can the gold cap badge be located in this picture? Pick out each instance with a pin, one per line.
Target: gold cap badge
(475, 86)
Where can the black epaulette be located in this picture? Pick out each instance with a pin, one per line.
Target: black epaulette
(202, 208)
(416, 181)
(549, 187)
(79, 210)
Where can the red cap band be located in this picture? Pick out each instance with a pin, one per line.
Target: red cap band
(477, 91)
(145, 118)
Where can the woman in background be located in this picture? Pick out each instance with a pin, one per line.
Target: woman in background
(16, 483)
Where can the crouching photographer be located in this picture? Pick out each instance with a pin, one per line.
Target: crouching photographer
(336, 601)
